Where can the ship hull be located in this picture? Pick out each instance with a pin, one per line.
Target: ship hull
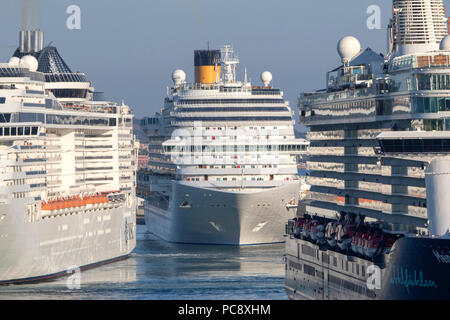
(53, 247)
(415, 269)
(226, 218)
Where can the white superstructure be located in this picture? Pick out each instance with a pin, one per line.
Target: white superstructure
(417, 25)
(381, 122)
(67, 171)
(222, 158)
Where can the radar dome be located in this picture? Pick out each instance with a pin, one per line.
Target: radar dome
(29, 62)
(178, 76)
(14, 62)
(266, 78)
(348, 47)
(445, 44)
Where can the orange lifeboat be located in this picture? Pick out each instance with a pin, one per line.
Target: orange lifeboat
(90, 200)
(59, 204)
(78, 202)
(72, 203)
(45, 206)
(65, 203)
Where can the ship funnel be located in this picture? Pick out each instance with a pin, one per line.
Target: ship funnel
(437, 179)
(207, 66)
(31, 41)
(31, 38)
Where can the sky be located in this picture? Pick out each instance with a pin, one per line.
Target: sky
(129, 49)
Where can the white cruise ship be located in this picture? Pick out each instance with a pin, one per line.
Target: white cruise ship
(377, 224)
(67, 169)
(222, 166)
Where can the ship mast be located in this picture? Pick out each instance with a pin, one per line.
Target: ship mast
(229, 64)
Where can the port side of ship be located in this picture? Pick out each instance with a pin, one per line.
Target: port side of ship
(375, 223)
(67, 163)
(222, 166)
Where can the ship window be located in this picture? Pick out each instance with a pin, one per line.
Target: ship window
(432, 145)
(6, 132)
(27, 131)
(433, 124)
(1, 132)
(14, 131)
(446, 145)
(5, 117)
(413, 145)
(2, 100)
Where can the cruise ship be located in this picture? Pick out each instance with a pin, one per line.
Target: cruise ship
(222, 166)
(375, 224)
(67, 169)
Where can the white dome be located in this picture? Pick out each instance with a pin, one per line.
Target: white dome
(29, 62)
(14, 62)
(445, 44)
(348, 47)
(266, 78)
(178, 76)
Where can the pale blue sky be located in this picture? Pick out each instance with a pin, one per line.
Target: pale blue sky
(129, 49)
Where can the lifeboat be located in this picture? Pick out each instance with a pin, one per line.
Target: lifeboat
(59, 205)
(373, 244)
(306, 228)
(299, 227)
(71, 203)
(90, 200)
(361, 243)
(77, 201)
(344, 235)
(330, 233)
(65, 203)
(356, 241)
(46, 206)
(317, 230)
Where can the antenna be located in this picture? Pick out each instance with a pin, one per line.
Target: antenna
(245, 75)
(229, 62)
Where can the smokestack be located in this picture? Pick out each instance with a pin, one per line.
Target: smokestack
(31, 38)
(31, 41)
(207, 66)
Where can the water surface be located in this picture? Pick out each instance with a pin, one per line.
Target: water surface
(160, 270)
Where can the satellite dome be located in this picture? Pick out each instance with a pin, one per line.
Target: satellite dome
(266, 78)
(348, 47)
(178, 76)
(445, 44)
(29, 62)
(14, 62)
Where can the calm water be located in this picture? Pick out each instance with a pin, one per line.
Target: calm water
(158, 270)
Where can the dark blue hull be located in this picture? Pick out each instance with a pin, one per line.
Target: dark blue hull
(415, 269)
